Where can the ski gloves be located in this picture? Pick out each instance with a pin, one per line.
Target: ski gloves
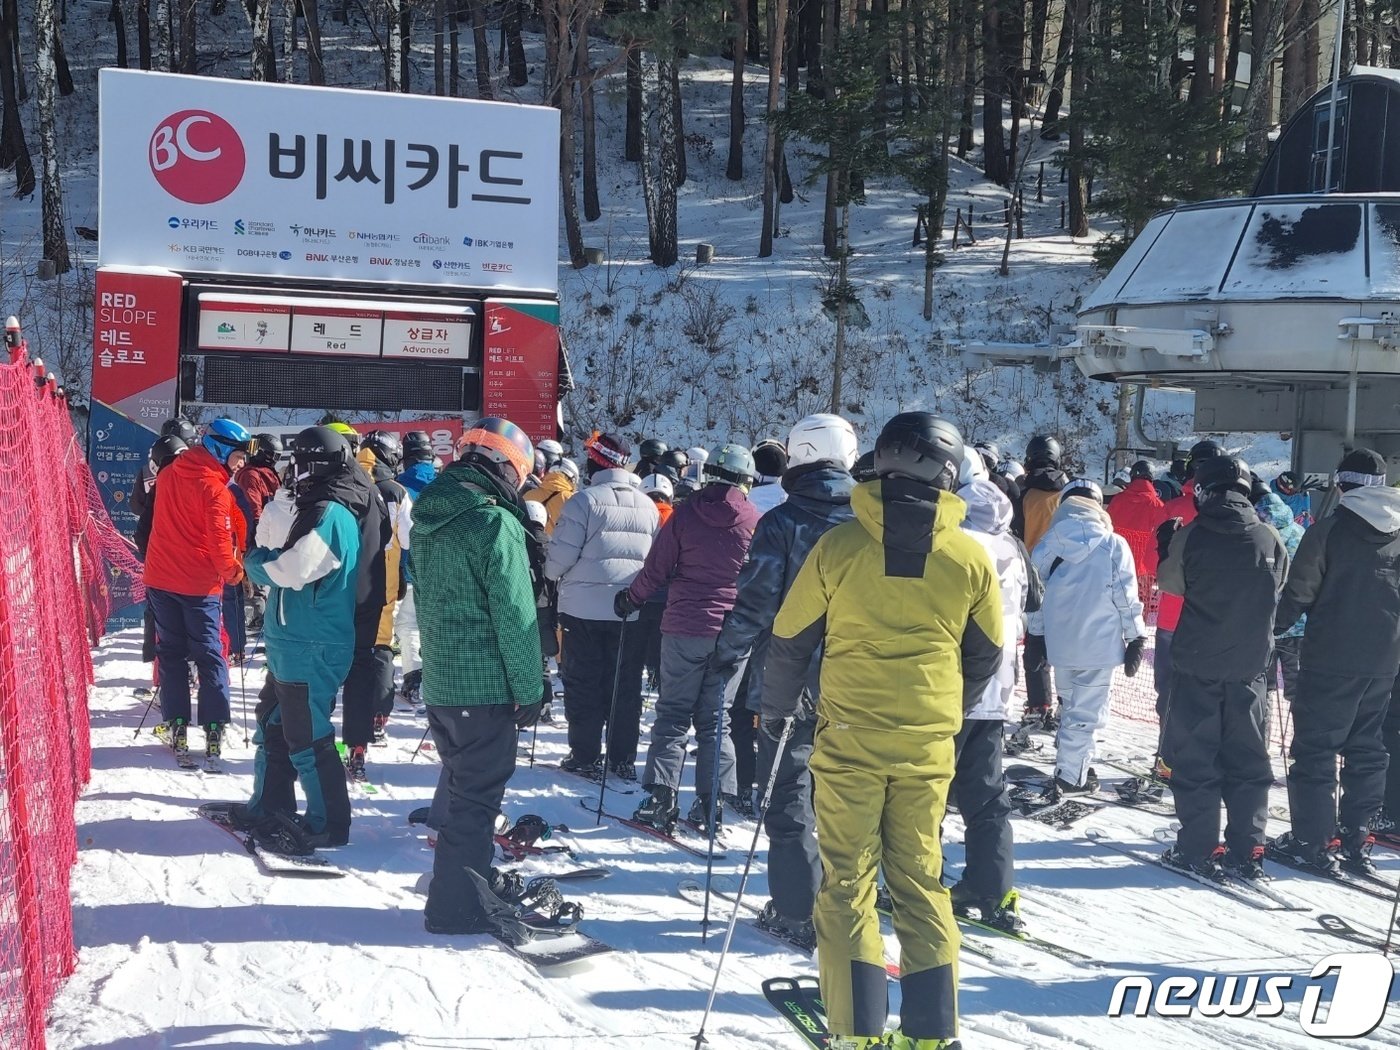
(1132, 656)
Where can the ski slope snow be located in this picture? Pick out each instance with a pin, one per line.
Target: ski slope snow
(184, 942)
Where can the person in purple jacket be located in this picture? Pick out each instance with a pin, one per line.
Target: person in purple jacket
(699, 553)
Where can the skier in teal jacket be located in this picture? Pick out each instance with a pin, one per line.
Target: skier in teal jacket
(308, 554)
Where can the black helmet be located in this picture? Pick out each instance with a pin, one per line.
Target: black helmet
(1141, 469)
(1216, 474)
(991, 455)
(921, 446)
(165, 449)
(269, 447)
(653, 449)
(864, 470)
(1043, 451)
(672, 463)
(180, 427)
(770, 458)
(417, 447)
(319, 452)
(386, 447)
(1202, 450)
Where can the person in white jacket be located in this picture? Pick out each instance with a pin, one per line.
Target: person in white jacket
(599, 545)
(1091, 620)
(978, 788)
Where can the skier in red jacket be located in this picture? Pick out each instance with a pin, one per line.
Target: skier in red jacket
(1136, 513)
(192, 555)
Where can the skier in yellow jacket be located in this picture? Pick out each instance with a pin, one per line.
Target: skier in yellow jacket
(908, 608)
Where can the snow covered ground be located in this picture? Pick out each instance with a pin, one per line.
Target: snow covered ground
(185, 943)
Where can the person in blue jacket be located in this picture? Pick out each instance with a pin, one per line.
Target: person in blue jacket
(308, 554)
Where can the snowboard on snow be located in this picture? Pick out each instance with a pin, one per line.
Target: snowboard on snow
(271, 862)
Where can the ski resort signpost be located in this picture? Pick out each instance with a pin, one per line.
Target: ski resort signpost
(267, 246)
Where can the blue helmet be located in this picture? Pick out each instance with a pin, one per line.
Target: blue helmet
(223, 437)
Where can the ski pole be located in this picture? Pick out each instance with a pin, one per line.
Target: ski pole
(147, 713)
(421, 740)
(716, 806)
(744, 878)
(612, 713)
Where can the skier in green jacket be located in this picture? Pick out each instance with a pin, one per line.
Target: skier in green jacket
(481, 662)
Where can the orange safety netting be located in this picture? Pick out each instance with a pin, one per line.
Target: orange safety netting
(57, 547)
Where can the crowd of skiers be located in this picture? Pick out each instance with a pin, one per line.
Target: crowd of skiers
(842, 634)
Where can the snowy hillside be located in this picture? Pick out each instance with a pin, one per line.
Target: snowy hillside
(185, 943)
(737, 349)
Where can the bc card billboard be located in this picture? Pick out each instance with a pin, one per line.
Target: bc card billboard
(203, 175)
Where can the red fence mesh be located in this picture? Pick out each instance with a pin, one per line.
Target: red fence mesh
(52, 542)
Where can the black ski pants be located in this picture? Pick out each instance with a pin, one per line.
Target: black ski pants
(743, 731)
(1162, 683)
(1336, 715)
(477, 748)
(979, 791)
(368, 691)
(589, 670)
(794, 866)
(1391, 735)
(1217, 736)
(648, 625)
(1040, 687)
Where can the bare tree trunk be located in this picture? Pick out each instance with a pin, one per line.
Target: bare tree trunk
(454, 61)
(405, 43)
(1078, 86)
(143, 34)
(665, 251)
(970, 20)
(289, 41)
(770, 141)
(46, 75)
(315, 67)
(1064, 55)
(14, 150)
(482, 47)
(517, 71)
(1201, 51)
(830, 215)
(678, 119)
(591, 208)
(394, 78)
(1267, 17)
(260, 21)
(632, 137)
(843, 270)
(734, 168)
(439, 47)
(163, 42)
(993, 94)
(188, 32)
(1040, 16)
(118, 17)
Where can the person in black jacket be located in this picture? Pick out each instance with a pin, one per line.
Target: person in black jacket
(1346, 578)
(1228, 567)
(818, 484)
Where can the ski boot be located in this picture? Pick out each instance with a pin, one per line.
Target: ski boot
(624, 771)
(699, 816)
(1320, 860)
(213, 742)
(380, 736)
(591, 768)
(799, 932)
(742, 805)
(1020, 742)
(355, 765)
(410, 689)
(659, 810)
(284, 834)
(857, 1042)
(178, 739)
(541, 903)
(899, 1041)
(1003, 913)
(1250, 868)
(1068, 787)
(1207, 867)
(1355, 849)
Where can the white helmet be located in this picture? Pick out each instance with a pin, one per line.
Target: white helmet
(822, 438)
(553, 452)
(568, 468)
(658, 485)
(534, 509)
(697, 455)
(1011, 469)
(973, 466)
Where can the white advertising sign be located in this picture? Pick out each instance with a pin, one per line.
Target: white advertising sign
(433, 337)
(203, 175)
(234, 324)
(322, 330)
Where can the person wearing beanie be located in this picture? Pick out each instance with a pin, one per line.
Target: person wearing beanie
(1346, 578)
(1033, 509)
(599, 543)
(770, 459)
